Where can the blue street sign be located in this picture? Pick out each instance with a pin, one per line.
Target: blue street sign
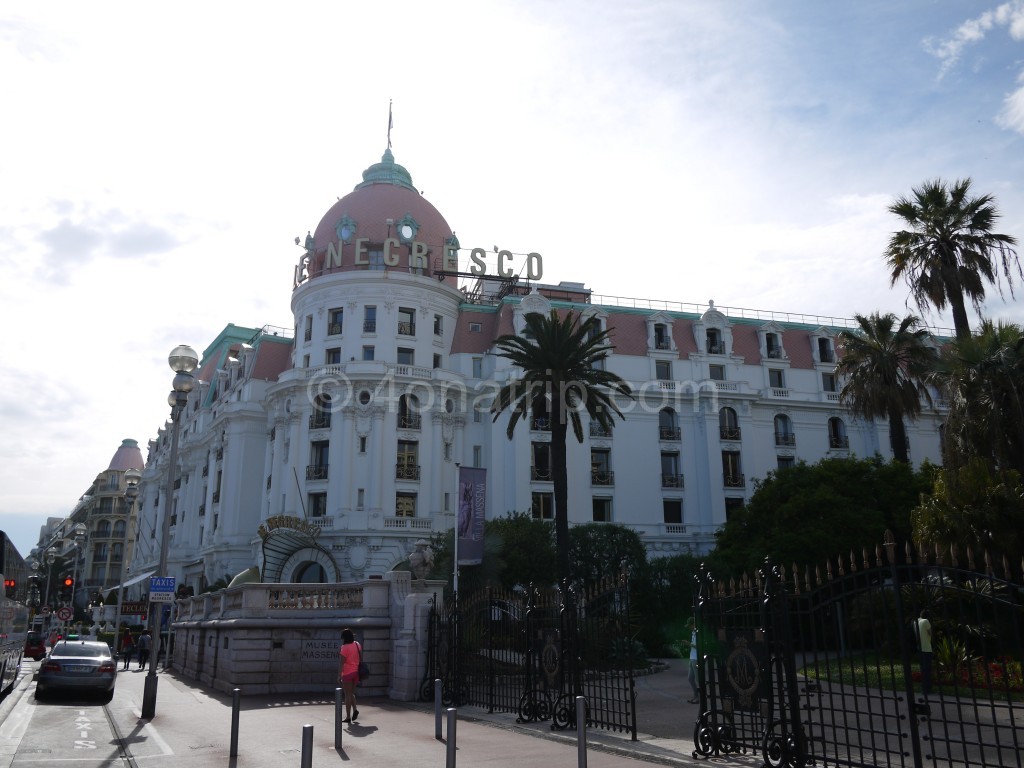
(161, 589)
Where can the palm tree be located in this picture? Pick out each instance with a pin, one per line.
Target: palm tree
(560, 358)
(983, 377)
(949, 250)
(886, 368)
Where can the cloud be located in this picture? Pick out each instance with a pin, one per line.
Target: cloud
(972, 31)
(1011, 116)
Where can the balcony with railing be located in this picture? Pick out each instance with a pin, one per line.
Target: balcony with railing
(404, 522)
(316, 471)
(320, 421)
(206, 471)
(785, 439)
(662, 344)
(220, 454)
(406, 471)
(409, 421)
(716, 348)
(540, 424)
(369, 326)
(779, 391)
(775, 353)
(827, 356)
(669, 433)
(729, 433)
(599, 430)
(671, 481)
(841, 442)
(602, 477)
(202, 510)
(216, 497)
(541, 474)
(732, 480)
(406, 329)
(308, 335)
(333, 329)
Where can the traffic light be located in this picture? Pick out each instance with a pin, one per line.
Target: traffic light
(9, 587)
(67, 587)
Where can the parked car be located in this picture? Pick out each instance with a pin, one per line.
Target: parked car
(84, 666)
(35, 647)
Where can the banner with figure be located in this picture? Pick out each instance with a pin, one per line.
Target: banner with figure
(472, 503)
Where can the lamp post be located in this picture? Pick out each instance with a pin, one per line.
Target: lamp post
(183, 360)
(131, 492)
(51, 558)
(80, 530)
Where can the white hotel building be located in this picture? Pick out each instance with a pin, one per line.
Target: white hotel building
(355, 421)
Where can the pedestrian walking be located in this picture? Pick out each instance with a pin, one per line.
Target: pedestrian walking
(127, 646)
(351, 654)
(143, 646)
(923, 630)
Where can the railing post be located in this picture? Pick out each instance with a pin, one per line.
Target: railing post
(437, 708)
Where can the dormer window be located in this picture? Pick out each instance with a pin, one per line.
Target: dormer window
(714, 342)
(661, 337)
(826, 354)
(772, 346)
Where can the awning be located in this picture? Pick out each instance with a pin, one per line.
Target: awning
(134, 580)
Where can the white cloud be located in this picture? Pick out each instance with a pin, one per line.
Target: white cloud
(949, 50)
(1011, 116)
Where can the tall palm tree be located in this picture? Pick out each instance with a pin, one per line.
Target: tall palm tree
(983, 377)
(949, 250)
(886, 362)
(559, 358)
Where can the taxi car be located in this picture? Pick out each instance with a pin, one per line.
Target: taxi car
(80, 666)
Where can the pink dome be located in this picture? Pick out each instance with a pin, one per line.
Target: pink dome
(385, 205)
(128, 456)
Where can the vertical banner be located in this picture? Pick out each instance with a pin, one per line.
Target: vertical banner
(472, 500)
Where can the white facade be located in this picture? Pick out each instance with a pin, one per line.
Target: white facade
(355, 425)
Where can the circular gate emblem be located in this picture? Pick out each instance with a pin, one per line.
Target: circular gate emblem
(64, 614)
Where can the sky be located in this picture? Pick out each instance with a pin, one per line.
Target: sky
(157, 163)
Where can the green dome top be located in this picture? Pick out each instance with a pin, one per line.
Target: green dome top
(387, 171)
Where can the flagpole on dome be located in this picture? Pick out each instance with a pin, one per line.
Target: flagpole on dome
(391, 123)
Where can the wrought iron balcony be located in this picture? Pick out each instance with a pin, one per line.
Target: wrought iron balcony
(308, 335)
(671, 481)
(202, 510)
(406, 329)
(542, 474)
(406, 471)
(602, 477)
(785, 438)
(206, 471)
(220, 454)
(333, 329)
(838, 441)
(320, 421)
(369, 326)
(668, 433)
(828, 356)
(733, 481)
(409, 421)
(216, 497)
(729, 433)
(662, 344)
(775, 353)
(540, 424)
(316, 472)
(598, 430)
(716, 348)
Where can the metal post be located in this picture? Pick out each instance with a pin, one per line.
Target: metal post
(235, 703)
(455, 530)
(156, 611)
(338, 709)
(437, 708)
(581, 731)
(307, 746)
(449, 759)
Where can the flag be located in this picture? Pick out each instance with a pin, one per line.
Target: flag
(391, 124)
(472, 504)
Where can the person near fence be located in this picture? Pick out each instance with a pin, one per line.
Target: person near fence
(923, 630)
(351, 654)
(692, 674)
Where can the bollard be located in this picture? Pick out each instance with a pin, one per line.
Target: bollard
(338, 709)
(581, 731)
(307, 746)
(235, 701)
(449, 760)
(437, 708)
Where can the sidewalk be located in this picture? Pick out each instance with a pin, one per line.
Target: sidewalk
(193, 724)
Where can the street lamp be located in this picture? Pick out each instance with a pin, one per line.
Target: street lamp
(51, 558)
(80, 530)
(131, 493)
(183, 360)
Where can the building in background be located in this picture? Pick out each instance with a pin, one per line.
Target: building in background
(324, 452)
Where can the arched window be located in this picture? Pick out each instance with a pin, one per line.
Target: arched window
(409, 412)
(321, 416)
(119, 528)
(784, 430)
(103, 529)
(668, 427)
(310, 573)
(837, 437)
(728, 424)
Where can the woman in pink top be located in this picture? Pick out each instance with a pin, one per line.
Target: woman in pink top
(348, 672)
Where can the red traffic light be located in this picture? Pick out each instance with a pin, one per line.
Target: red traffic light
(69, 582)
(9, 583)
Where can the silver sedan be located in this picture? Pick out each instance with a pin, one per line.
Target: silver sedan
(78, 665)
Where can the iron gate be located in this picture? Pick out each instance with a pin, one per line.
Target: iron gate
(533, 652)
(822, 668)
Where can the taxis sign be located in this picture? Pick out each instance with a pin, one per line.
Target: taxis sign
(161, 589)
